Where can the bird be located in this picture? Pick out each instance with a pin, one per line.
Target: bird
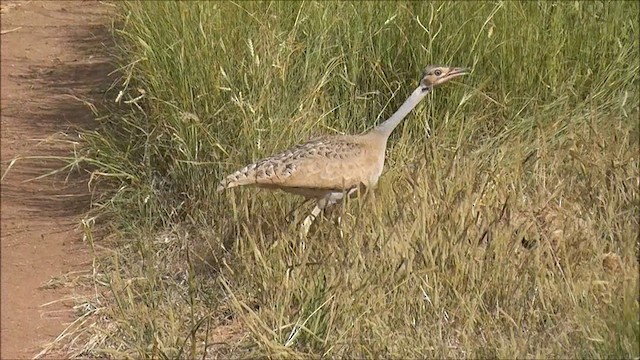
(331, 167)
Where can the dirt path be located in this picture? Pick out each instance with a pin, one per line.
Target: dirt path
(49, 50)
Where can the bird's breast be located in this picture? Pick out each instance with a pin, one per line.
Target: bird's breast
(375, 166)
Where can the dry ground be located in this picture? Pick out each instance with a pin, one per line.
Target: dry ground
(50, 50)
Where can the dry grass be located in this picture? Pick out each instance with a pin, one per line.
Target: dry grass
(511, 231)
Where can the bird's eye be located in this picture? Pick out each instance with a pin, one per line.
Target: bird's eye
(438, 72)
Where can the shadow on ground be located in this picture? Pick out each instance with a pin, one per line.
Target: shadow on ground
(64, 88)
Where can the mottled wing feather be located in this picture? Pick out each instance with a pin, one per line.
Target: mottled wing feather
(324, 163)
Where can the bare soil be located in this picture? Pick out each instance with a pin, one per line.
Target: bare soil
(53, 52)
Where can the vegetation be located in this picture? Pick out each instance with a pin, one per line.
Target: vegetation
(505, 225)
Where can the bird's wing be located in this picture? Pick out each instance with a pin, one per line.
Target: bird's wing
(332, 163)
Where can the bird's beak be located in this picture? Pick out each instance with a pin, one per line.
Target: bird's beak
(455, 72)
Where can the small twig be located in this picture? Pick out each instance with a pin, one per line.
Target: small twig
(8, 31)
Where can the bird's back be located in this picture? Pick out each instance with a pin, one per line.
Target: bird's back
(334, 163)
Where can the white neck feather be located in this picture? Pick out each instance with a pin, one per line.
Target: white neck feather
(386, 128)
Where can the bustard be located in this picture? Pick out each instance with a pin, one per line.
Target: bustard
(329, 167)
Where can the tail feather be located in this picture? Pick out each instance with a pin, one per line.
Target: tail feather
(267, 171)
(244, 176)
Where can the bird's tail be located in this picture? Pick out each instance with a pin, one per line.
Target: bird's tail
(244, 176)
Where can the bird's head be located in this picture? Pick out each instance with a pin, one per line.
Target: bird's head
(435, 75)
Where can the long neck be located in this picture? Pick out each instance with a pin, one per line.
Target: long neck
(386, 127)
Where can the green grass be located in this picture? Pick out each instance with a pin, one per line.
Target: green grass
(491, 238)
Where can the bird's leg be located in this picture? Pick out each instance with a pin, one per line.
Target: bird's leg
(306, 224)
(330, 199)
(336, 198)
(288, 216)
(335, 214)
(371, 197)
(340, 227)
(339, 220)
(371, 194)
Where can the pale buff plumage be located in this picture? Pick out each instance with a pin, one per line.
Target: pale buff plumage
(328, 167)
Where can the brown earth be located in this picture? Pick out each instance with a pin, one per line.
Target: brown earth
(53, 53)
